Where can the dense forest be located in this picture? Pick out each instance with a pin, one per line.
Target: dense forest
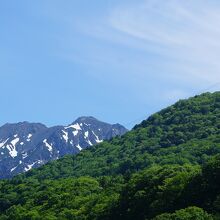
(168, 167)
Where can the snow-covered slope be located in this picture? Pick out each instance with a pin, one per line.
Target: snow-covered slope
(28, 145)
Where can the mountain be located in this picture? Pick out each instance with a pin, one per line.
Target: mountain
(167, 167)
(29, 145)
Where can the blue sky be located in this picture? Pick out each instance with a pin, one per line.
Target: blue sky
(117, 60)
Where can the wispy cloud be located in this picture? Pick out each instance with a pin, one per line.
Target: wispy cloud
(186, 32)
(167, 47)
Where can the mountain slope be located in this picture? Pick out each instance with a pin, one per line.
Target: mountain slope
(156, 168)
(29, 145)
(185, 131)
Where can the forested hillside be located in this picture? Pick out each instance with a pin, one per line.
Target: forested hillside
(165, 168)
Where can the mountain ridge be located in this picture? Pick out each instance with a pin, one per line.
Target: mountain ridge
(26, 145)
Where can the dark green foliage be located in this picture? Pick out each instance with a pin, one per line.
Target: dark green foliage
(205, 183)
(154, 191)
(191, 213)
(158, 167)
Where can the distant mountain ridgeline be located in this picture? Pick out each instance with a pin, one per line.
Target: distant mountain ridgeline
(24, 146)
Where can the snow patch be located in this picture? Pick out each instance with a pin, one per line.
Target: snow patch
(24, 155)
(97, 138)
(12, 151)
(89, 142)
(99, 141)
(75, 133)
(50, 148)
(12, 169)
(29, 166)
(86, 134)
(78, 146)
(15, 141)
(65, 135)
(29, 137)
(3, 143)
(12, 147)
(75, 126)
